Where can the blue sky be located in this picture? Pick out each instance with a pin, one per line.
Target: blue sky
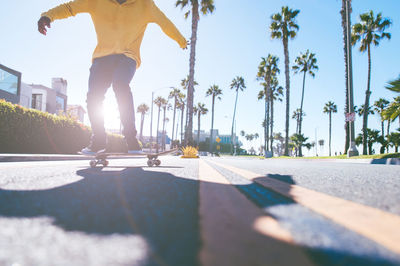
(231, 43)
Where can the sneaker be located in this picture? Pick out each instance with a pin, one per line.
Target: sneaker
(93, 149)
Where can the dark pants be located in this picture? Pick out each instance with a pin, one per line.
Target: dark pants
(116, 70)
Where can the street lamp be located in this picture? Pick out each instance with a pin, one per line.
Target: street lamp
(350, 112)
(151, 119)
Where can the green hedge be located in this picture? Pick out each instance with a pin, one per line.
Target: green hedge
(25, 130)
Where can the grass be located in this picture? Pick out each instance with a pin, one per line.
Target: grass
(375, 156)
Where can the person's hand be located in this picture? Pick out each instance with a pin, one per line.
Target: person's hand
(42, 24)
(187, 44)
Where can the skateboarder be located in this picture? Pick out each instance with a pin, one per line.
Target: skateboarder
(120, 27)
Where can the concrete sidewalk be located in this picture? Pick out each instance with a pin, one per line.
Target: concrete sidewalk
(387, 161)
(9, 157)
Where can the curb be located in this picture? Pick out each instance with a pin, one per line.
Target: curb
(386, 161)
(40, 157)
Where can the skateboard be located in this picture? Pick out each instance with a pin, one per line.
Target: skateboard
(152, 158)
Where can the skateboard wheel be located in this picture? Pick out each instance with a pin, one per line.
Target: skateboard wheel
(157, 162)
(150, 163)
(93, 163)
(105, 163)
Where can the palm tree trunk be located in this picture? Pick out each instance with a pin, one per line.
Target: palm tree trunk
(383, 127)
(233, 120)
(198, 129)
(330, 133)
(190, 98)
(163, 131)
(212, 124)
(287, 76)
(346, 105)
(301, 112)
(141, 126)
(267, 100)
(173, 122)
(271, 138)
(177, 128)
(158, 126)
(182, 116)
(366, 104)
(265, 128)
(387, 134)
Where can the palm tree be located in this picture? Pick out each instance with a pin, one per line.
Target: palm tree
(195, 7)
(143, 109)
(280, 146)
(215, 92)
(284, 27)
(346, 107)
(174, 94)
(296, 115)
(372, 137)
(266, 70)
(181, 106)
(393, 110)
(276, 92)
(185, 86)
(394, 85)
(380, 106)
(394, 140)
(237, 84)
(371, 30)
(159, 102)
(164, 107)
(299, 140)
(306, 63)
(330, 108)
(360, 111)
(200, 110)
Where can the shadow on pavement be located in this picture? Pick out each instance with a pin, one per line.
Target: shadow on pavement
(157, 205)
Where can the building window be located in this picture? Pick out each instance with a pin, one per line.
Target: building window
(8, 82)
(37, 101)
(60, 104)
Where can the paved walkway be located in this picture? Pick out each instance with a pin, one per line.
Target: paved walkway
(211, 211)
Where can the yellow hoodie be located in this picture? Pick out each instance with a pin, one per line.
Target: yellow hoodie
(120, 27)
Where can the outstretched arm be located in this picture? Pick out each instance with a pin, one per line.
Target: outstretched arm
(62, 11)
(167, 26)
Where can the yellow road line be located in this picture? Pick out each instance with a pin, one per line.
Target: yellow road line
(377, 225)
(235, 231)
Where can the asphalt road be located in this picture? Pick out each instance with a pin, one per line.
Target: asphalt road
(197, 212)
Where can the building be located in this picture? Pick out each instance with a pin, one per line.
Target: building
(10, 84)
(225, 139)
(52, 100)
(25, 99)
(77, 112)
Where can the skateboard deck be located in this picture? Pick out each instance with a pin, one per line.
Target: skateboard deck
(101, 158)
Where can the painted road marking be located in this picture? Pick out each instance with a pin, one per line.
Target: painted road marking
(377, 225)
(234, 231)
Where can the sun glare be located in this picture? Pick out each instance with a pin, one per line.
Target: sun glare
(111, 113)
